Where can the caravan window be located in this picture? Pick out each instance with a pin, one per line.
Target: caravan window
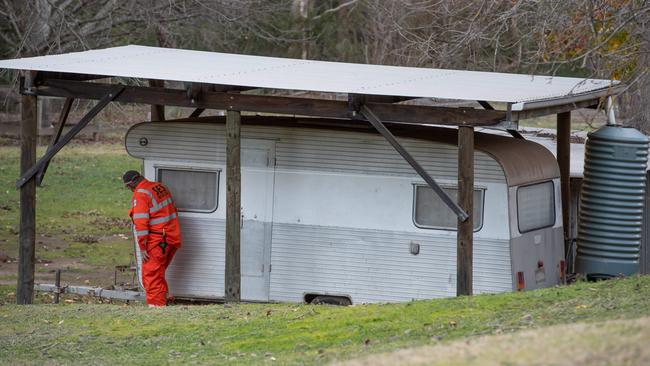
(536, 206)
(430, 212)
(193, 190)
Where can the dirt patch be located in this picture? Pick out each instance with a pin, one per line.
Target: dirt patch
(621, 342)
(108, 223)
(74, 271)
(91, 213)
(87, 239)
(4, 258)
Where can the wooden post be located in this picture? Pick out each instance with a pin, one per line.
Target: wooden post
(564, 161)
(157, 110)
(233, 206)
(465, 235)
(26, 251)
(57, 283)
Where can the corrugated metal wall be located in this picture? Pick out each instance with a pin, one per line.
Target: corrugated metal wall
(198, 267)
(372, 266)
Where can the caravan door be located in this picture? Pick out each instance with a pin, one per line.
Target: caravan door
(257, 179)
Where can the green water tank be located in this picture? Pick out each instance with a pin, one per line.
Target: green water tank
(611, 202)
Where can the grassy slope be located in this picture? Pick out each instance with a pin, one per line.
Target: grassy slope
(295, 334)
(616, 343)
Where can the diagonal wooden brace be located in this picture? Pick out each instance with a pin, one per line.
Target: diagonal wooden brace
(197, 112)
(113, 93)
(379, 126)
(55, 137)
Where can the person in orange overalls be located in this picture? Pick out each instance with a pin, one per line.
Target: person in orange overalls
(157, 230)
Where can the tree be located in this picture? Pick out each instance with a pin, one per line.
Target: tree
(587, 38)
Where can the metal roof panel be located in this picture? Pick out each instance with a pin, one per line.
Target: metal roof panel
(321, 76)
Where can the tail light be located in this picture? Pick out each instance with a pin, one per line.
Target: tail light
(562, 271)
(521, 283)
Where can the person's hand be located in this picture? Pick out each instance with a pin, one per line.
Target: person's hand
(145, 256)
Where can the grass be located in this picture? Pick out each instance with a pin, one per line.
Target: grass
(294, 334)
(82, 200)
(581, 120)
(613, 342)
(103, 254)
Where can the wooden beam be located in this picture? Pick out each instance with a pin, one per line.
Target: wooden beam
(385, 99)
(228, 88)
(233, 206)
(196, 113)
(47, 75)
(379, 126)
(515, 134)
(157, 110)
(27, 248)
(564, 162)
(49, 154)
(485, 105)
(547, 111)
(465, 234)
(63, 117)
(397, 113)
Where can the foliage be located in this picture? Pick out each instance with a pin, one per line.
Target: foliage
(293, 334)
(584, 38)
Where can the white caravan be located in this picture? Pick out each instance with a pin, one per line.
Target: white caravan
(332, 211)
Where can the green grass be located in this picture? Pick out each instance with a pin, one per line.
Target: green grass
(105, 254)
(293, 334)
(82, 199)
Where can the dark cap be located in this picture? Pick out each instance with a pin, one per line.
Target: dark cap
(130, 176)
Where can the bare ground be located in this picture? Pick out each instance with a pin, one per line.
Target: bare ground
(620, 343)
(74, 271)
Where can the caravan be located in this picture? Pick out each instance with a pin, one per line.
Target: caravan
(331, 213)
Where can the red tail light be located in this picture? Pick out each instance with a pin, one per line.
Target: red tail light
(521, 283)
(562, 271)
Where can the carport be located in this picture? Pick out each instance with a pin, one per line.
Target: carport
(342, 93)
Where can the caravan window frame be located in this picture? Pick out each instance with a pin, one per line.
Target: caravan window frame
(158, 168)
(552, 200)
(446, 228)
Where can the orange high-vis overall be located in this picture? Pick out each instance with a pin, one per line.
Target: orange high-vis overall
(155, 218)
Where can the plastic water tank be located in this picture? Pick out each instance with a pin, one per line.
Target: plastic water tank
(611, 202)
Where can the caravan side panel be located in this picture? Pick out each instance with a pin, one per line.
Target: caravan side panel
(307, 150)
(342, 215)
(197, 269)
(376, 266)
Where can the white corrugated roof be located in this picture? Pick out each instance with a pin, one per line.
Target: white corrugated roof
(296, 74)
